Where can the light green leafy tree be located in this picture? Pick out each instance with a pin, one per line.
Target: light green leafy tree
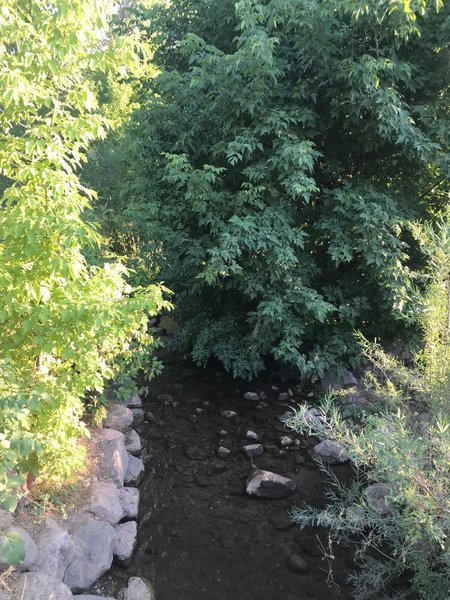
(63, 321)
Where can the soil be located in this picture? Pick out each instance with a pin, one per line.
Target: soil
(200, 536)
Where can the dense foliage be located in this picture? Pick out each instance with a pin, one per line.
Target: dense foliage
(63, 321)
(403, 443)
(276, 162)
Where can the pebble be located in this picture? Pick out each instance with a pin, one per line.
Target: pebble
(223, 452)
(229, 414)
(253, 396)
(286, 441)
(252, 435)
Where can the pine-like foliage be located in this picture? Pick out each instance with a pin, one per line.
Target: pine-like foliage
(277, 160)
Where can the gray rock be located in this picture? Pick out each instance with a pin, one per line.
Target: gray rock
(118, 417)
(94, 544)
(135, 471)
(313, 416)
(55, 550)
(266, 484)
(38, 586)
(133, 442)
(137, 589)
(336, 382)
(31, 552)
(126, 540)
(91, 597)
(330, 380)
(129, 500)
(223, 452)
(105, 502)
(6, 519)
(253, 396)
(110, 435)
(229, 414)
(349, 380)
(297, 564)
(286, 441)
(283, 397)
(115, 458)
(252, 435)
(252, 450)
(134, 402)
(330, 452)
(377, 498)
(138, 416)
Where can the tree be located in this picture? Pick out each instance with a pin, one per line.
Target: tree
(278, 161)
(63, 321)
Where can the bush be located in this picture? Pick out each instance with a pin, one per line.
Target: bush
(275, 164)
(404, 445)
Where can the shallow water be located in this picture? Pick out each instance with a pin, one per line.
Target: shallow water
(200, 536)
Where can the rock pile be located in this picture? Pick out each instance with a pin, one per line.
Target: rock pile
(60, 563)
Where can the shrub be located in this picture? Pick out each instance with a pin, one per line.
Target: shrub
(404, 444)
(275, 164)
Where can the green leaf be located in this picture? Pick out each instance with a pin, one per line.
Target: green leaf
(12, 549)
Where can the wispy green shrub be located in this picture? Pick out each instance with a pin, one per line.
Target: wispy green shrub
(402, 442)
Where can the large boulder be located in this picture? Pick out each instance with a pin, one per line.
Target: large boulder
(138, 416)
(125, 544)
(105, 502)
(55, 550)
(6, 520)
(134, 402)
(38, 586)
(137, 589)
(30, 548)
(330, 452)
(114, 462)
(135, 471)
(129, 500)
(118, 417)
(266, 484)
(91, 597)
(94, 544)
(133, 442)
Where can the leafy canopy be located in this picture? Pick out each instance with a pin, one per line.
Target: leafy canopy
(63, 321)
(276, 164)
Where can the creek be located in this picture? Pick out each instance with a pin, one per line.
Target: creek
(201, 537)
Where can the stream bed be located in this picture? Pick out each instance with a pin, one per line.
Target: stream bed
(201, 537)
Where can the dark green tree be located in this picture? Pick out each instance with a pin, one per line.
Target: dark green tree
(279, 158)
